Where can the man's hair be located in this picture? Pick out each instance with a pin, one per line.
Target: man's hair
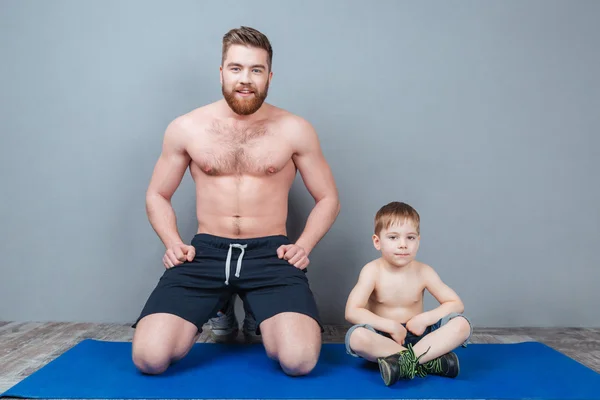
(396, 212)
(247, 36)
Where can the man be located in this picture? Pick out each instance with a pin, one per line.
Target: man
(243, 155)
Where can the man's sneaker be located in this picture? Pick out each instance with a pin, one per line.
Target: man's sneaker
(225, 327)
(446, 365)
(249, 329)
(402, 365)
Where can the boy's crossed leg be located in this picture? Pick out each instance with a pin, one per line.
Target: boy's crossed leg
(430, 353)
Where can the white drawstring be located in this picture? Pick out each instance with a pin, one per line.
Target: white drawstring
(242, 247)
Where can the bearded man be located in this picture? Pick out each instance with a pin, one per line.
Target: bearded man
(243, 155)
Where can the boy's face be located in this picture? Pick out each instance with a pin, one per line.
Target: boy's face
(399, 243)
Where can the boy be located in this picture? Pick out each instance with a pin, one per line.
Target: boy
(386, 306)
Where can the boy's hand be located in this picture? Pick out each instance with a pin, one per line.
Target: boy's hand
(417, 324)
(398, 333)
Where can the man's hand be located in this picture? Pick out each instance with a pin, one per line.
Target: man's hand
(417, 324)
(399, 334)
(294, 254)
(177, 254)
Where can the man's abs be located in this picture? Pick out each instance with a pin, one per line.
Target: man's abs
(243, 206)
(243, 227)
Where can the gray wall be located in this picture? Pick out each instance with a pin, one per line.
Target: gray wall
(483, 115)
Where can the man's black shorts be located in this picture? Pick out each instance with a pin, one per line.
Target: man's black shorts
(196, 290)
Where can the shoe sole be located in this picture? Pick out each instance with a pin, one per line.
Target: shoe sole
(457, 366)
(454, 359)
(385, 371)
(230, 337)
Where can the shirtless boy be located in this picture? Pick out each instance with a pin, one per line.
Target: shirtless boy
(386, 306)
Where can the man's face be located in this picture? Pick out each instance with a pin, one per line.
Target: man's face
(245, 78)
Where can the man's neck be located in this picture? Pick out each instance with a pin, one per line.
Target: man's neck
(229, 114)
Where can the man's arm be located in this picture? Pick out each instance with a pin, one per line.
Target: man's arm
(167, 175)
(449, 301)
(356, 311)
(319, 181)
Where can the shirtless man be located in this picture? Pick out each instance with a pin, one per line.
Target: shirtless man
(243, 155)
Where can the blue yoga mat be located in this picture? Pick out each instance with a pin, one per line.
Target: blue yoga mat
(97, 369)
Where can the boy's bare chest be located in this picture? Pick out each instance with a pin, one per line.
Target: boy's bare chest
(398, 292)
(256, 150)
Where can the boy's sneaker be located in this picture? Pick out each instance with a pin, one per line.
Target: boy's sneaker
(402, 365)
(224, 327)
(446, 365)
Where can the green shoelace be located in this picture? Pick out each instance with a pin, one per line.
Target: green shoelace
(409, 364)
(433, 367)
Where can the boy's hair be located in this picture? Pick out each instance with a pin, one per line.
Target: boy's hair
(395, 212)
(246, 36)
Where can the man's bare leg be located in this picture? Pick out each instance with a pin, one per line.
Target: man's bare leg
(294, 340)
(160, 340)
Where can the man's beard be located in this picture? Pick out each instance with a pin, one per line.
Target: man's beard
(244, 106)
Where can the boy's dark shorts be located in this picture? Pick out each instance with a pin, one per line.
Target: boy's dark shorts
(267, 285)
(411, 338)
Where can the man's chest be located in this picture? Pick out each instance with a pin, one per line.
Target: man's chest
(259, 151)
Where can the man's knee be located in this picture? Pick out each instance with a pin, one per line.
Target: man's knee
(271, 352)
(155, 349)
(298, 361)
(151, 362)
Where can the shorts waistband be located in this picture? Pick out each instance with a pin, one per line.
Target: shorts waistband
(219, 242)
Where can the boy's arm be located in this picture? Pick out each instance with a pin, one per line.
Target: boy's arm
(356, 311)
(449, 301)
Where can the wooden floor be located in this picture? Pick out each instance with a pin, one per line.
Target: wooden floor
(26, 347)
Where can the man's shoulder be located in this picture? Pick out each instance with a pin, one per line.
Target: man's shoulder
(288, 119)
(194, 119)
(201, 114)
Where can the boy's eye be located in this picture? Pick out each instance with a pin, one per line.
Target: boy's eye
(411, 237)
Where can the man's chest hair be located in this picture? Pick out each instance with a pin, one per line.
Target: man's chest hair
(230, 149)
